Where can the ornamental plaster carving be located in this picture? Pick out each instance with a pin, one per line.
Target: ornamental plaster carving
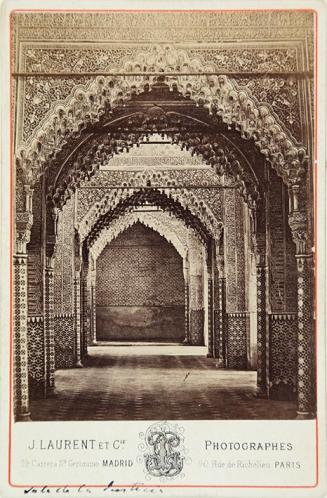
(172, 229)
(160, 27)
(298, 223)
(93, 59)
(226, 161)
(93, 193)
(221, 96)
(40, 93)
(117, 197)
(24, 222)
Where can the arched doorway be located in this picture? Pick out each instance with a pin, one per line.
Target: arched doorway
(140, 289)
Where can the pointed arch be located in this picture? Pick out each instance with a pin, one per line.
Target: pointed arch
(171, 228)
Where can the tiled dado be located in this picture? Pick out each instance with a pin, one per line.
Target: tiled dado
(197, 327)
(35, 347)
(283, 355)
(237, 337)
(64, 340)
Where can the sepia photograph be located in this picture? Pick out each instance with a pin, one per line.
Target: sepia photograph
(163, 215)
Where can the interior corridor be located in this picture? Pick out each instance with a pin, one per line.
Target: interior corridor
(155, 382)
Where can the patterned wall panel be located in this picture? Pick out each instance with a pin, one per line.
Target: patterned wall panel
(239, 251)
(64, 340)
(234, 252)
(283, 271)
(237, 327)
(196, 327)
(291, 270)
(67, 268)
(34, 264)
(63, 262)
(283, 356)
(139, 268)
(36, 367)
(140, 288)
(230, 236)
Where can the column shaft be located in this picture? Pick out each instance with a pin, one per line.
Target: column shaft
(220, 322)
(49, 327)
(305, 378)
(93, 316)
(21, 394)
(211, 338)
(261, 332)
(187, 312)
(77, 318)
(84, 311)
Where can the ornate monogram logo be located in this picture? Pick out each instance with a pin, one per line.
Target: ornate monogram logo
(163, 450)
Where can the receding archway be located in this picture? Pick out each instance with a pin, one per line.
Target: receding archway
(140, 289)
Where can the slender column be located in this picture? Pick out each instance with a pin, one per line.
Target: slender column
(305, 338)
(261, 327)
(84, 309)
(186, 272)
(220, 312)
(49, 325)
(210, 318)
(93, 315)
(211, 338)
(77, 318)
(21, 393)
(304, 259)
(77, 300)
(24, 221)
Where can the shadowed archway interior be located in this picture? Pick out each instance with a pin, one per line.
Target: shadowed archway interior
(140, 289)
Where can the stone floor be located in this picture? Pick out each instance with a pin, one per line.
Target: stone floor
(148, 382)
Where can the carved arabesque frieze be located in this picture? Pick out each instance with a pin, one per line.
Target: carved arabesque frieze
(221, 96)
(41, 93)
(161, 26)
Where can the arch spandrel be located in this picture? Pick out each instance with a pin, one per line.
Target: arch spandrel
(220, 95)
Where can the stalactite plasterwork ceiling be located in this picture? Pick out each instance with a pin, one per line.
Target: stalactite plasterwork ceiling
(220, 95)
(91, 195)
(96, 204)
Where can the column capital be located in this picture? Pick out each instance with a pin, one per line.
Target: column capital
(260, 258)
(220, 265)
(297, 221)
(24, 222)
